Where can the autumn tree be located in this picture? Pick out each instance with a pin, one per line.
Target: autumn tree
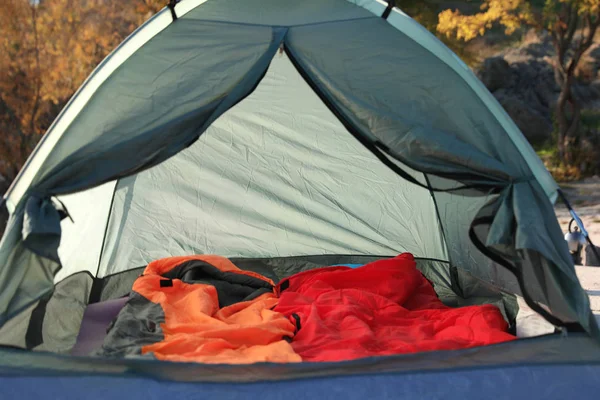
(48, 48)
(572, 25)
(17, 90)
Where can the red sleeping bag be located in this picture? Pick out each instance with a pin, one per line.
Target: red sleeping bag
(382, 308)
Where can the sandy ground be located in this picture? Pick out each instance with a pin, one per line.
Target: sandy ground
(589, 277)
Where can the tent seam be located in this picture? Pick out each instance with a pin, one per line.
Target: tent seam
(110, 212)
(439, 218)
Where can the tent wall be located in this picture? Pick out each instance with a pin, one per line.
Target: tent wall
(278, 12)
(456, 214)
(401, 95)
(277, 175)
(275, 13)
(91, 151)
(428, 129)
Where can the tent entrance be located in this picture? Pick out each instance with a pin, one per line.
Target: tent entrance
(277, 184)
(277, 175)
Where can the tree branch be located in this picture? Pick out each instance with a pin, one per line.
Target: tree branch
(585, 43)
(558, 41)
(38, 71)
(23, 146)
(573, 24)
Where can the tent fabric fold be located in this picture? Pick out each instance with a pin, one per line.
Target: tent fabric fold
(543, 260)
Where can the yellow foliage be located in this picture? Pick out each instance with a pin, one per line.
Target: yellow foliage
(509, 13)
(564, 173)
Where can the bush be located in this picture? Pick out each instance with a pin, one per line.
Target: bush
(585, 150)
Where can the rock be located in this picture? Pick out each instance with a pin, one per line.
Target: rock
(534, 84)
(522, 79)
(588, 69)
(526, 89)
(495, 73)
(587, 93)
(535, 127)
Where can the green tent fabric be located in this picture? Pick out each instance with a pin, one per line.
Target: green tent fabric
(280, 129)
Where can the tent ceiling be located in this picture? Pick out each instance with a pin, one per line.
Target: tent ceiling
(276, 175)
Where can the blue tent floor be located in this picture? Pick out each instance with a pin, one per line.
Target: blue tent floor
(513, 382)
(542, 382)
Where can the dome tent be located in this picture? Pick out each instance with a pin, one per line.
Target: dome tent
(288, 135)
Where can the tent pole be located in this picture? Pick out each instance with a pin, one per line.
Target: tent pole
(574, 215)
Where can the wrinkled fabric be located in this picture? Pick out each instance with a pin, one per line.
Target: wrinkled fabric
(25, 276)
(385, 307)
(41, 227)
(281, 192)
(179, 321)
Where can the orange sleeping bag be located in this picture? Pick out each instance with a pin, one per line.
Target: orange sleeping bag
(202, 309)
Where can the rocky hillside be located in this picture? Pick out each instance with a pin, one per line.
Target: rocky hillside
(522, 79)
